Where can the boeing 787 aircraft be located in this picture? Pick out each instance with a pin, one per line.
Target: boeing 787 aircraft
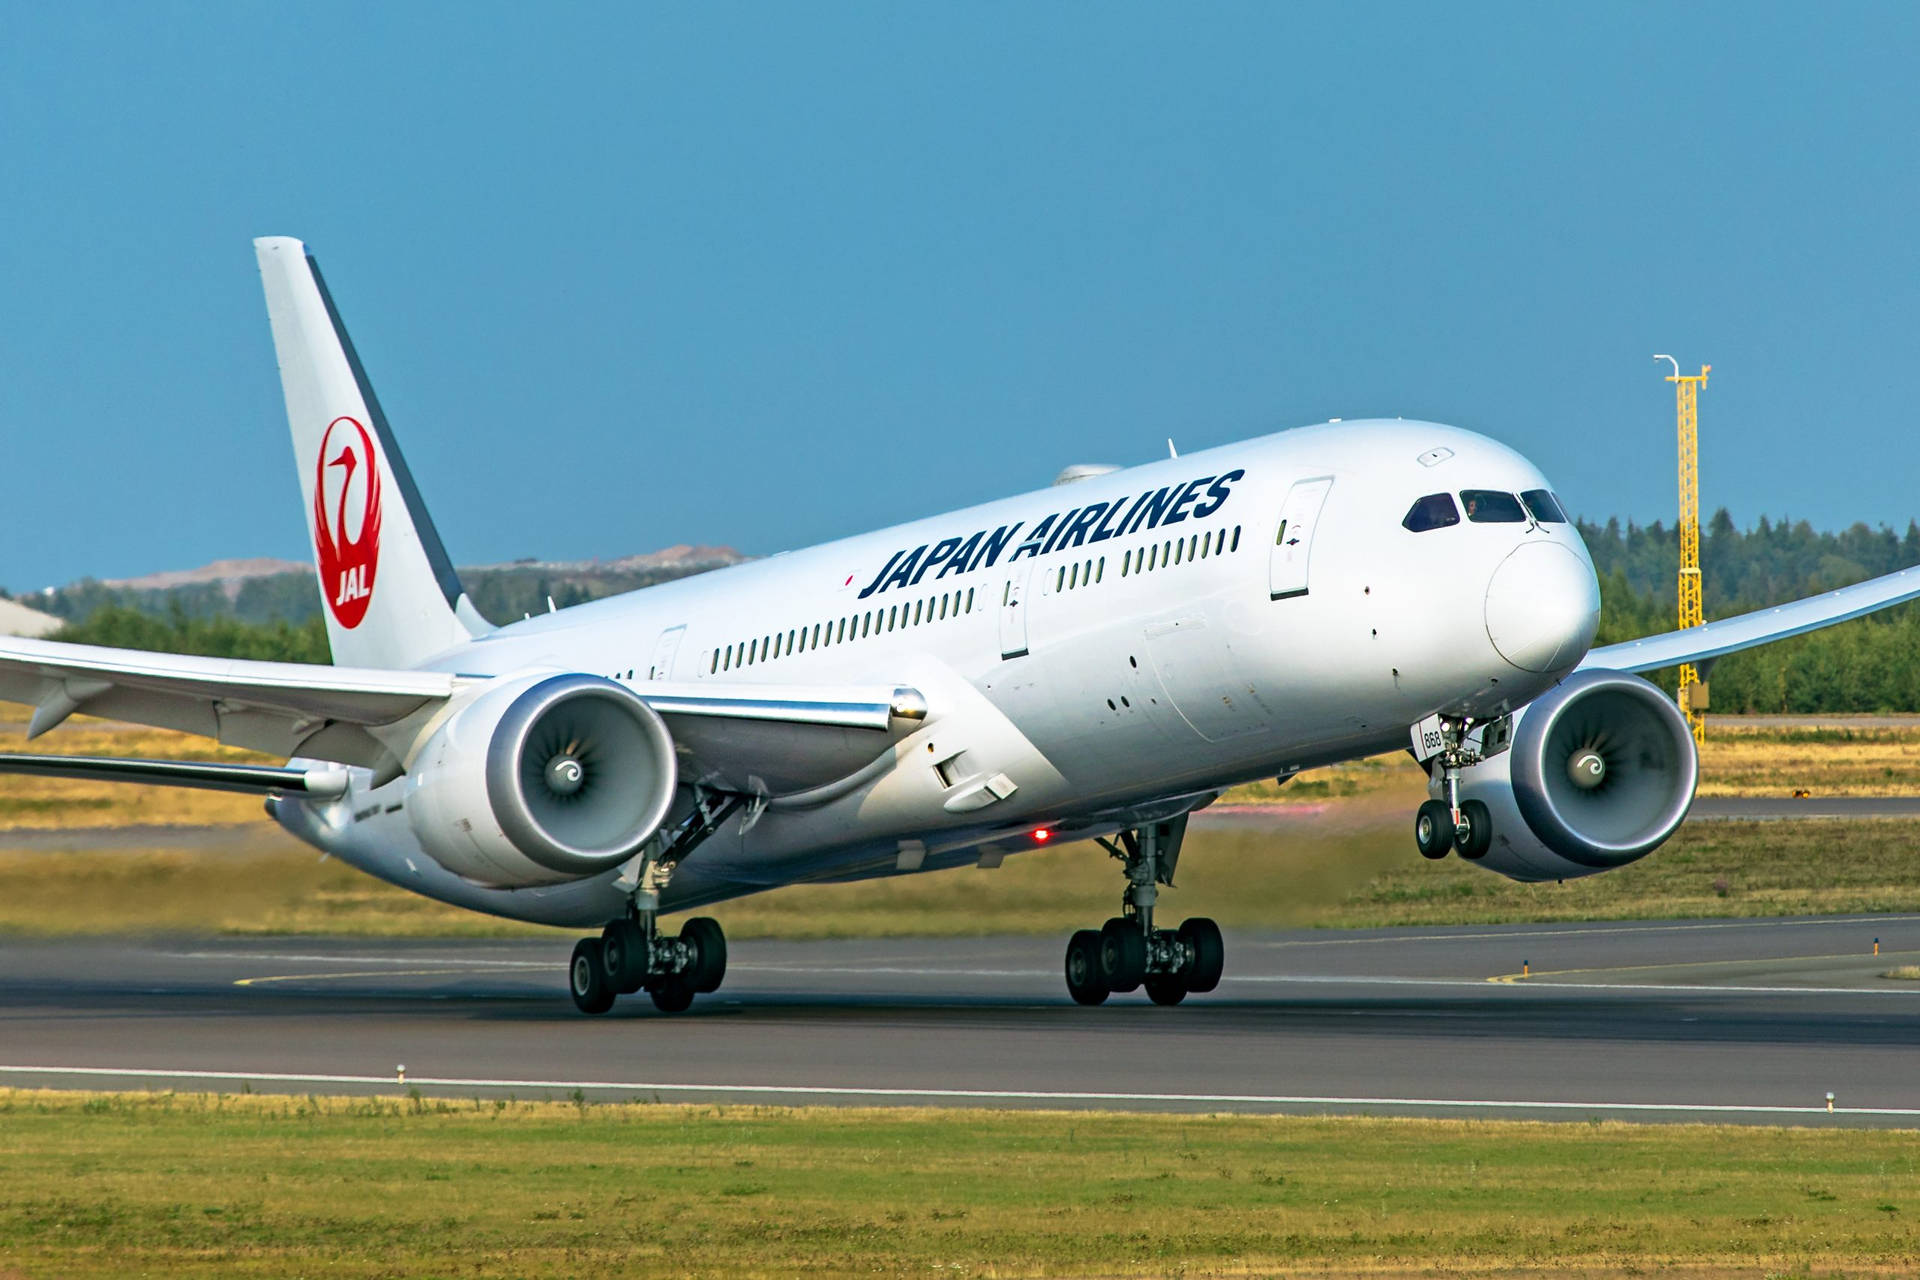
(1095, 660)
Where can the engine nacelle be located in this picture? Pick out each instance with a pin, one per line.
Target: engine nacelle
(1601, 771)
(540, 780)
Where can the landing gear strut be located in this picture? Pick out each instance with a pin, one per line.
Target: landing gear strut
(1128, 952)
(631, 954)
(1447, 823)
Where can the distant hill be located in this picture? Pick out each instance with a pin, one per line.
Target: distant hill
(265, 590)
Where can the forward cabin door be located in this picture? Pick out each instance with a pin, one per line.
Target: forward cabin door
(664, 653)
(1293, 542)
(1013, 613)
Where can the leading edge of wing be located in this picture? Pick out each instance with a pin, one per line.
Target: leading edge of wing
(1762, 626)
(247, 779)
(837, 706)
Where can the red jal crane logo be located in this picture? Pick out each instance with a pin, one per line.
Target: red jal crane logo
(348, 482)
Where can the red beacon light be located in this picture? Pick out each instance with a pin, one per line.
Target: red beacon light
(1041, 835)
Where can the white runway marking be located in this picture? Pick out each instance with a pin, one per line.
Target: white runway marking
(1621, 929)
(968, 1095)
(1535, 984)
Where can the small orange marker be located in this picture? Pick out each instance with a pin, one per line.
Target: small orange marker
(1526, 968)
(1876, 946)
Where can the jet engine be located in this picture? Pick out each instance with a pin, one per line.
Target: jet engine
(542, 779)
(1601, 771)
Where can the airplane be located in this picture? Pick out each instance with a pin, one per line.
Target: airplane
(1095, 660)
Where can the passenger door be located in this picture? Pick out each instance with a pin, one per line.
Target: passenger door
(665, 652)
(1013, 613)
(1293, 541)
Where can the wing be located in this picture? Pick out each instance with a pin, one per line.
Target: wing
(758, 738)
(1762, 626)
(281, 708)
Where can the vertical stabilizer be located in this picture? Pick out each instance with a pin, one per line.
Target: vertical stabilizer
(389, 592)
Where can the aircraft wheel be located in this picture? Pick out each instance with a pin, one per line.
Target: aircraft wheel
(1083, 969)
(1166, 989)
(672, 995)
(709, 943)
(587, 977)
(1123, 955)
(1478, 836)
(1202, 937)
(624, 953)
(1433, 830)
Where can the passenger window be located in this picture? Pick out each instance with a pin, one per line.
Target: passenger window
(969, 599)
(1236, 539)
(1544, 506)
(1490, 506)
(1100, 570)
(1435, 511)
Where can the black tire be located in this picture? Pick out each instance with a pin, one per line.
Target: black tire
(1479, 837)
(1123, 955)
(587, 978)
(624, 952)
(1166, 989)
(1202, 937)
(672, 995)
(709, 943)
(1083, 969)
(1433, 830)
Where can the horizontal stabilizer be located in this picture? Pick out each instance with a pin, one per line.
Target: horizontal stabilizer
(249, 779)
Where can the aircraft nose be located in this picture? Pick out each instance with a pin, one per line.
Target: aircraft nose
(1543, 607)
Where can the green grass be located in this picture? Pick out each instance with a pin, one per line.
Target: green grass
(111, 1185)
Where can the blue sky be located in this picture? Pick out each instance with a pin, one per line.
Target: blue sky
(765, 275)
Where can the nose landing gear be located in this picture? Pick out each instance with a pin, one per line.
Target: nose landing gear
(1128, 952)
(1449, 824)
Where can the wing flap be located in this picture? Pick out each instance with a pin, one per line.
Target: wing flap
(782, 739)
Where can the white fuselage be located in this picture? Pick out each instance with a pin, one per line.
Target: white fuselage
(1145, 651)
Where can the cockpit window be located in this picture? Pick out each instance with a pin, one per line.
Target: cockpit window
(1490, 506)
(1545, 507)
(1435, 511)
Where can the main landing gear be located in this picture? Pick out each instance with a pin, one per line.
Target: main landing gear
(631, 954)
(1128, 952)
(1449, 824)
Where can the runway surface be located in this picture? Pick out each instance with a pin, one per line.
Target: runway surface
(1744, 1021)
(1769, 807)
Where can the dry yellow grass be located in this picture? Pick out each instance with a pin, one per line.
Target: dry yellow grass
(1904, 973)
(1847, 761)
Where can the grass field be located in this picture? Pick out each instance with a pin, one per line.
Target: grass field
(1338, 855)
(1327, 871)
(111, 1185)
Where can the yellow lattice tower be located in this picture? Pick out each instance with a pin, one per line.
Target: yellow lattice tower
(1686, 395)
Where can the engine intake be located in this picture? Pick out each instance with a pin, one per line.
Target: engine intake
(1601, 772)
(542, 779)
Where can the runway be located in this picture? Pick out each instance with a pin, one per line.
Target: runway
(1738, 1021)
(1774, 807)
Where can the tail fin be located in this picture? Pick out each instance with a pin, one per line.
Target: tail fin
(389, 592)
